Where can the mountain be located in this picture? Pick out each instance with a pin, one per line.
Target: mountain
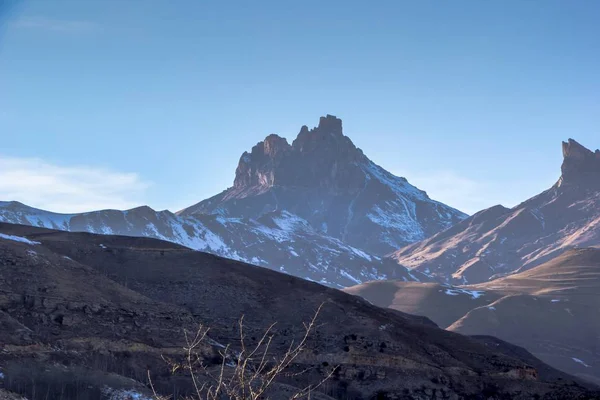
(499, 240)
(278, 240)
(318, 209)
(551, 310)
(92, 315)
(326, 180)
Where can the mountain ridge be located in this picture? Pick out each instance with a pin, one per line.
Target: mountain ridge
(497, 241)
(279, 240)
(317, 208)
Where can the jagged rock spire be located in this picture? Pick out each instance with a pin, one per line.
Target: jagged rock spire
(580, 166)
(321, 157)
(259, 166)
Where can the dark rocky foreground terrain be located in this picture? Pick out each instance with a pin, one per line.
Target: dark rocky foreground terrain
(86, 316)
(499, 240)
(552, 309)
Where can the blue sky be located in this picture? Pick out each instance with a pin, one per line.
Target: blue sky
(117, 103)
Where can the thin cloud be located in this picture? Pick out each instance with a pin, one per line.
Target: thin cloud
(55, 25)
(68, 188)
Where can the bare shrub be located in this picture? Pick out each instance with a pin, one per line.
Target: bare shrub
(247, 374)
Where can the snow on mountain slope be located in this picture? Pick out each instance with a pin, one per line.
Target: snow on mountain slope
(498, 241)
(278, 240)
(326, 180)
(318, 209)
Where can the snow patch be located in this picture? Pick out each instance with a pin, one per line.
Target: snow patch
(569, 311)
(360, 253)
(347, 275)
(579, 361)
(215, 343)
(539, 216)
(289, 222)
(412, 276)
(475, 294)
(404, 221)
(106, 230)
(398, 185)
(18, 239)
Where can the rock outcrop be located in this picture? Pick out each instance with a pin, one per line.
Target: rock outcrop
(581, 166)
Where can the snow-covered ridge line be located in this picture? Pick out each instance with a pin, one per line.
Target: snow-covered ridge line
(281, 241)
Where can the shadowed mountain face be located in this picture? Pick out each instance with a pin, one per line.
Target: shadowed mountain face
(498, 241)
(551, 310)
(113, 305)
(326, 180)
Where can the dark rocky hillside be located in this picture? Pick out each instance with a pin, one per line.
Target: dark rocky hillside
(103, 309)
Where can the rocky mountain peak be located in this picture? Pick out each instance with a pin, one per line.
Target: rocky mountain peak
(573, 150)
(327, 136)
(580, 165)
(274, 145)
(331, 124)
(323, 179)
(321, 157)
(257, 167)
